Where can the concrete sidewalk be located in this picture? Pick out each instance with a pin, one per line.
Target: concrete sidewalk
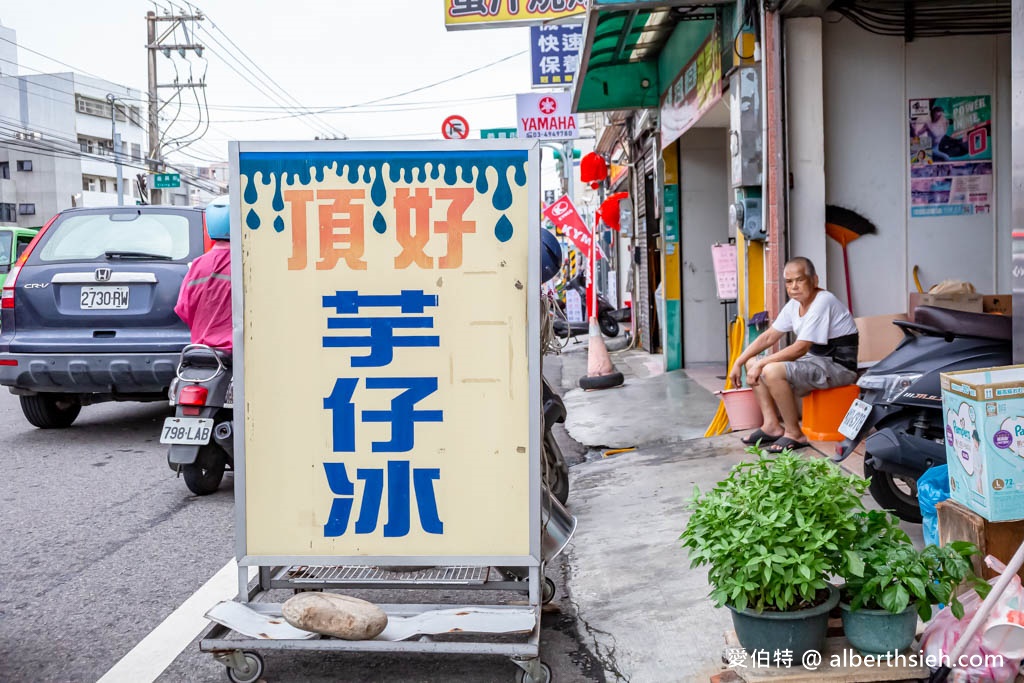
(644, 612)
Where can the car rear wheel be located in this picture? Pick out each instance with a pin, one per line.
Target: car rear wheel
(51, 411)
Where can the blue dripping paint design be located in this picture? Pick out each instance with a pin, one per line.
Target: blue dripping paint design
(278, 202)
(251, 195)
(378, 193)
(503, 230)
(302, 167)
(279, 224)
(379, 224)
(502, 199)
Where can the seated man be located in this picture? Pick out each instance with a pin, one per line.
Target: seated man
(824, 355)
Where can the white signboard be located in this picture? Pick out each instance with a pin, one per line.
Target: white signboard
(574, 306)
(546, 116)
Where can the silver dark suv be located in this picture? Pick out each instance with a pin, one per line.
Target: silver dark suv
(87, 313)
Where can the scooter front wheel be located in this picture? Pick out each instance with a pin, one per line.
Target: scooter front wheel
(894, 492)
(203, 477)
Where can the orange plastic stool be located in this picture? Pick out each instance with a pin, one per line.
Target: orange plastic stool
(824, 410)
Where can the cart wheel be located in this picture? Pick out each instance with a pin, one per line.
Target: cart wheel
(545, 675)
(548, 592)
(252, 672)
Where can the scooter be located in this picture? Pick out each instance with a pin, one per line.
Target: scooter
(900, 407)
(609, 325)
(200, 435)
(556, 472)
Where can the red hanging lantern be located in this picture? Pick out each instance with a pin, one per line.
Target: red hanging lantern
(593, 169)
(610, 210)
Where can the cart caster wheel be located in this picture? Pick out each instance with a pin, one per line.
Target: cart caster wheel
(253, 671)
(548, 592)
(545, 675)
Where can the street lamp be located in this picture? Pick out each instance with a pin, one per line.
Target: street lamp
(115, 142)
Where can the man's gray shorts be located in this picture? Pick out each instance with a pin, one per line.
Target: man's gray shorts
(809, 372)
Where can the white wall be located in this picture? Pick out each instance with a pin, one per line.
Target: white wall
(804, 134)
(868, 82)
(704, 220)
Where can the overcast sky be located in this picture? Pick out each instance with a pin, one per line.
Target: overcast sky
(322, 53)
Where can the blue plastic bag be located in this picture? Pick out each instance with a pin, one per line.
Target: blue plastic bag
(932, 489)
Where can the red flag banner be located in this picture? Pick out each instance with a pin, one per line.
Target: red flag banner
(563, 214)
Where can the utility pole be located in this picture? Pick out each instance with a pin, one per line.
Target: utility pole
(154, 43)
(115, 143)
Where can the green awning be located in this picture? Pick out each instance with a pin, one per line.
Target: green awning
(623, 40)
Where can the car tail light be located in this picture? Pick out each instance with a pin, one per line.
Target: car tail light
(7, 295)
(193, 395)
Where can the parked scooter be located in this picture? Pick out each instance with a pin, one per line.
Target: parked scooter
(200, 434)
(901, 399)
(556, 472)
(608, 324)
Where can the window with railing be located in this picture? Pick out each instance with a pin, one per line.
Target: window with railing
(101, 108)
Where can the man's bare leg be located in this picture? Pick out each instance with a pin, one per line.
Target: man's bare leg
(774, 377)
(770, 424)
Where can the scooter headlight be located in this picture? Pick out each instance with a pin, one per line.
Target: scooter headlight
(890, 386)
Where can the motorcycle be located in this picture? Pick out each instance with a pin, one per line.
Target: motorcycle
(899, 414)
(608, 324)
(200, 435)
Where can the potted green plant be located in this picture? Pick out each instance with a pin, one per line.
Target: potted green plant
(891, 583)
(772, 533)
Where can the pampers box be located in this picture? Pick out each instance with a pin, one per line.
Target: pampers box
(984, 424)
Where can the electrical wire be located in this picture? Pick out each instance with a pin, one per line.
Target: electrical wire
(928, 20)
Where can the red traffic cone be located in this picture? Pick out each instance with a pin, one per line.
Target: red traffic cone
(601, 374)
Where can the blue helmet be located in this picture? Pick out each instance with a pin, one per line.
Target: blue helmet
(550, 255)
(218, 218)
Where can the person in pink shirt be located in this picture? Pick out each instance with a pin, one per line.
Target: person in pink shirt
(204, 302)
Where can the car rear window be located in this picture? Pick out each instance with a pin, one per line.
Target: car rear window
(89, 237)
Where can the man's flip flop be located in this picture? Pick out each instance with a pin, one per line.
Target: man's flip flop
(758, 435)
(786, 443)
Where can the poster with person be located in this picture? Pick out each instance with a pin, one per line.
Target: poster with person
(950, 156)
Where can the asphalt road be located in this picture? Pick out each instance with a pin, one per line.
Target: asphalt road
(101, 543)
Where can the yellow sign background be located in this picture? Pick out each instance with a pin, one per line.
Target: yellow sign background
(503, 18)
(482, 447)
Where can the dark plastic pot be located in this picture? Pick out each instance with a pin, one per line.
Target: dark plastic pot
(798, 631)
(877, 631)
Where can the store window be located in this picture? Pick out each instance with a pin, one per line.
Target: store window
(24, 164)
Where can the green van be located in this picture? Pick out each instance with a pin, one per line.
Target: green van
(13, 242)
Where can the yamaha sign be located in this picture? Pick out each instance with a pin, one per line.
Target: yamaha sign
(546, 116)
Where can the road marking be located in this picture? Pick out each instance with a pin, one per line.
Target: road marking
(156, 651)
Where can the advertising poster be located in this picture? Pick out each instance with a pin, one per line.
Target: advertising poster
(460, 14)
(693, 92)
(555, 54)
(391, 386)
(951, 156)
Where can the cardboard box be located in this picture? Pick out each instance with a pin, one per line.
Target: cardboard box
(959, 301)
(1000, 539)
(983, 412)
(878, 336)
(1001, 304)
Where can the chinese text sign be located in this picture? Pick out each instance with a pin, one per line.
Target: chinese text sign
(386, 351)
(503, 13)
(555, 54)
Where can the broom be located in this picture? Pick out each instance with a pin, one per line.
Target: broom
(844, 226)
(720, 422)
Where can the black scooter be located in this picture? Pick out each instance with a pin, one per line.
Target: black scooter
(200, 435)
(608, 324)
(901, 399)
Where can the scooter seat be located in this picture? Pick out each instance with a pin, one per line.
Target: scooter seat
(202, 358)
(965, 324)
